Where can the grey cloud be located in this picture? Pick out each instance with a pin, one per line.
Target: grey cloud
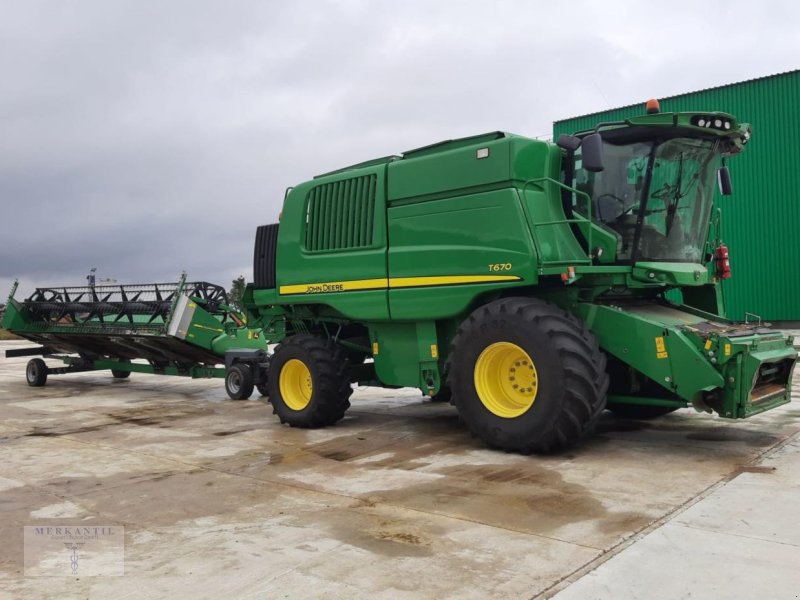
(146, 138)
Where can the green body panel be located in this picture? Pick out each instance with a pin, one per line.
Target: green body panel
(460, 236)
(630, 334)
(688, 354)
(202, 328)
(190, 322)
(13, 318)
(747, 356)
(407, 354)
(444, 170)
(330, 270)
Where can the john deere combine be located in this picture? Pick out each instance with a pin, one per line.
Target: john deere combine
(531, 284)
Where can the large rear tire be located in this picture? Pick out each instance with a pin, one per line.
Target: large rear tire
(309, 383)
(527, 376)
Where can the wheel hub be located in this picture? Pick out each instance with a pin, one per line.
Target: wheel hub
(295, 384)
(506, 380)
(234, 382)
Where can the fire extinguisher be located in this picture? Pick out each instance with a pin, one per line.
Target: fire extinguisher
(722, 261)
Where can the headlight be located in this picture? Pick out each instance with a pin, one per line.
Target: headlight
(709, 122)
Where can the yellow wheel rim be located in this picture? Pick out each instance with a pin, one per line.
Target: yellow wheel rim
(506, 380)
(295, 384)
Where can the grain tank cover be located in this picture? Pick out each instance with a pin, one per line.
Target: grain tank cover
(468, 165)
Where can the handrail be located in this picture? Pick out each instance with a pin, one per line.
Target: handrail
(578, 219)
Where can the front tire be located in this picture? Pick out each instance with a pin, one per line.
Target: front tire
(527, 376)
(309, 383)
(239, 382)
(36, 372)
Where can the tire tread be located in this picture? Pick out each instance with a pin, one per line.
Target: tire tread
(584, 364)
(332, 382)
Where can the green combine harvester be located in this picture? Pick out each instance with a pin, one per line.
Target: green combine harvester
(531, 284)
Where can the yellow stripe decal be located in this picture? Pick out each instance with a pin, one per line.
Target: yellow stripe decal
(400, 282)
(395, 282)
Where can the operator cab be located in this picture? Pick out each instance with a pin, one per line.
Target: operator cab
(651, 186)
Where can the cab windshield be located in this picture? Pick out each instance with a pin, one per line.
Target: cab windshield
(654, 196)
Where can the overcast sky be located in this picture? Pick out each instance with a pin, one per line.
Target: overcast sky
(146, 138)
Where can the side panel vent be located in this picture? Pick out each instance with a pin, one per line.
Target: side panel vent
(340, 214)
(264, 258)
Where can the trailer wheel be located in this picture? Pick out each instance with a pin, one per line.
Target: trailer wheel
(117, 374)
(263, 389)
(239, 382)
(640, 411)
(36, 372)
(309, 383)
(527, 376)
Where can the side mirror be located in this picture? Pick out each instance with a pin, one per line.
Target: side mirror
(724, 180)
(592, 153)
(568, 142)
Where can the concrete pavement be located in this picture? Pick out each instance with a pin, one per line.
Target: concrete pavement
(396, 501)
(740, 541)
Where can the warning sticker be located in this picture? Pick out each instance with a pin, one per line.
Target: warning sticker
(661, 348)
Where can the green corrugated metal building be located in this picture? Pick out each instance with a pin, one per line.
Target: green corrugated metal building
(761, 220)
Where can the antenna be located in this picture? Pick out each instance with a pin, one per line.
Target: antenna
(92, 279)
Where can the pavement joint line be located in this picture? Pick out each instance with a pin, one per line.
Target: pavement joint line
(738, 535)
(676, 445)
(294, 485)
(608, 554)
(41, 489)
